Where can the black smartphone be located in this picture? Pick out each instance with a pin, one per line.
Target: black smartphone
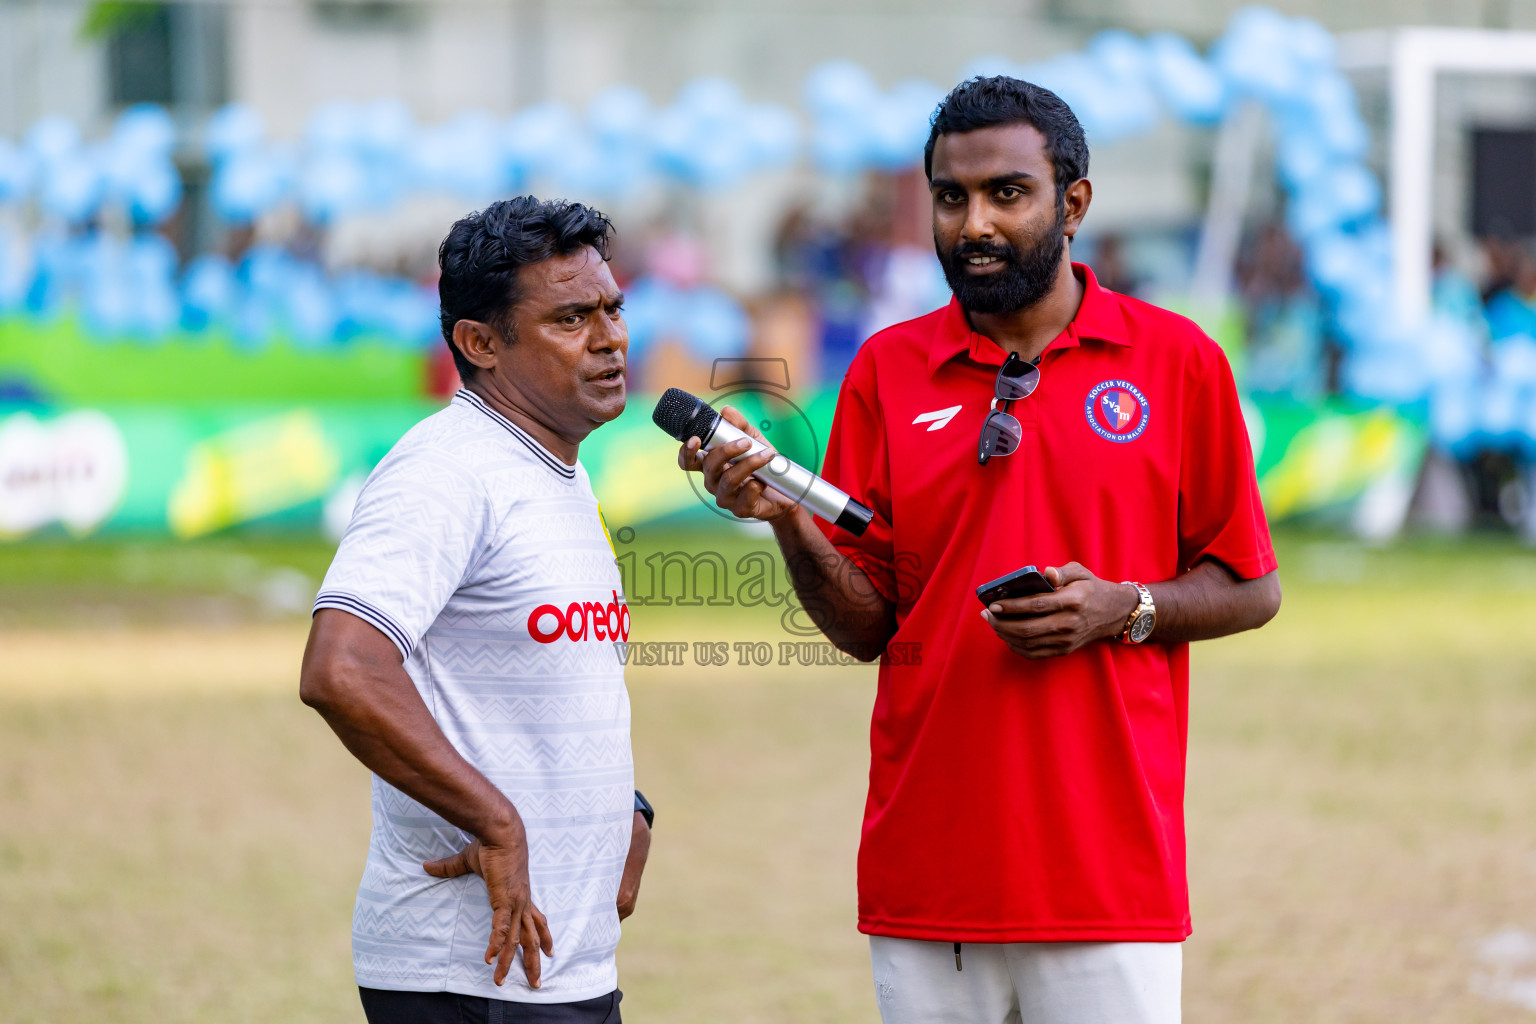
(1025, 582)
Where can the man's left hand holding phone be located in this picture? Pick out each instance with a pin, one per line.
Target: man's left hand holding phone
(1078, 609)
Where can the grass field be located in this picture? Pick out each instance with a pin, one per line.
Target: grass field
(180, 839)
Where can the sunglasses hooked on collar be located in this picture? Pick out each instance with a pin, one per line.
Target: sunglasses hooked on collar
(1001, 432)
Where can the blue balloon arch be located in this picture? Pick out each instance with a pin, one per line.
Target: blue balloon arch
(353, 158)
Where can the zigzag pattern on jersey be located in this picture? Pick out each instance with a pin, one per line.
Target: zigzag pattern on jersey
(488, 708)
(413, 845)
(426, 487)
(519, 484)
(373, 970)
(525, 761)
(391, 876)
(508, 650)
(596, 927)
(522, 658)
(540, 757)
(614, 804)
(573, 901)
(597, 931)
(569, 685)
(574, 569)
(532, 771)
(413, 833)
(527, 567)
(523, 569)
(400, 881)
(572, 526)
(533, 576)
(492, 733)
(570, 981)
(429, 531)
(523, 483)
(473, 401)
(544, 824)
(385, 881)
(464, 432)
(558, 847)
(547, 753)
(463, 528)
(398, 922)
(551, 875)
(520, 477)
(386, 929)
(568, 903)
(540, 811)
(407, 545)
(522, 582)
(525, 585)
(617, 775)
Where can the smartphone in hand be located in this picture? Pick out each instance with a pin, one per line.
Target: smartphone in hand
(1025, 582)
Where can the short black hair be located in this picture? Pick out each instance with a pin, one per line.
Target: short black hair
(987, 102)
(482, 253)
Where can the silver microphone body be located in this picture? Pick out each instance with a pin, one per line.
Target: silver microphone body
(683, 416)
(788, 478)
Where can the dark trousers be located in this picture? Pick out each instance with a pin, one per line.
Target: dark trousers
(383, 1007)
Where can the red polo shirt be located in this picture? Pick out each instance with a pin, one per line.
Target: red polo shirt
(1013, 800)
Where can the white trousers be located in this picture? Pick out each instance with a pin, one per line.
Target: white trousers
(1027, 982)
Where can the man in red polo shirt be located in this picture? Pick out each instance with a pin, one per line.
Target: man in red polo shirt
(1023, 845)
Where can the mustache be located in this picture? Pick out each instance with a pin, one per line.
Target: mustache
(965, 250)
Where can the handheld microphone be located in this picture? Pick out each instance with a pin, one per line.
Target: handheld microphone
(683, 416)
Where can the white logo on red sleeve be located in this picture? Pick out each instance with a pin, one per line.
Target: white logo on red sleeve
(1116, 410)
(580, 620)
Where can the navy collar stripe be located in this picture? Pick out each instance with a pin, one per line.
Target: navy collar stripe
(569, 472)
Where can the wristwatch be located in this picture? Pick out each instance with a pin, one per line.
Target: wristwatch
(646, 810)
(1139, 626)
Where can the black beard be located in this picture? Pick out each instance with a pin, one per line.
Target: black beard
(1024, 280)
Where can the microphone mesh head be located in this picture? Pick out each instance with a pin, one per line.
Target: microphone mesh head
(683, 416)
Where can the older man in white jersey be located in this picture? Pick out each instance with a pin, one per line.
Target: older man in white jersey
(464, 649)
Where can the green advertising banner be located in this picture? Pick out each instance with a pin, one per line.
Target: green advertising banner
(193, 470)
(185, 470)
(63, 363)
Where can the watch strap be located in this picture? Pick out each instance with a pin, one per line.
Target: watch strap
(1144, 605)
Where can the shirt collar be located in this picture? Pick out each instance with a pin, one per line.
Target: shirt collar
(1099, 318)
(470, 400)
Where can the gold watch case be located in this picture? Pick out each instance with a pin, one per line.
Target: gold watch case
(1143, 619)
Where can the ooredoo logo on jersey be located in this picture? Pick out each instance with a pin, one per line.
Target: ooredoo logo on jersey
(581, 620)
(1116, 410)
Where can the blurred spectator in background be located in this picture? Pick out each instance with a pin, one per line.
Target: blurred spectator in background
(678, 257)
(1454, 293)
(1511, 308)
(1109, 264)
(1285, 324)
(1501, 255)
(873, 268)
(1496, 464)
(903, 277)
(821, 261)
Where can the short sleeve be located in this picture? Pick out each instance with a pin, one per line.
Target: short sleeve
(1220, 514)
(415, 532)
(857, 464)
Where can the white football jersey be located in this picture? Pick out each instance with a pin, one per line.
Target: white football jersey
(485, 559)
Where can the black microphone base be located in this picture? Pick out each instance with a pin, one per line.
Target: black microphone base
(855, 518)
